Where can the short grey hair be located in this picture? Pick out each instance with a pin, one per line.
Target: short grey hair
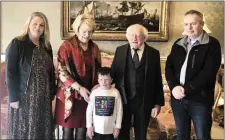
(192, 12)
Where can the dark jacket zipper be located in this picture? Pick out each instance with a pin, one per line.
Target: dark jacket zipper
(193, 61)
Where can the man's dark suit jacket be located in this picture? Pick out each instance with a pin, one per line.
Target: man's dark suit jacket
(153, 90)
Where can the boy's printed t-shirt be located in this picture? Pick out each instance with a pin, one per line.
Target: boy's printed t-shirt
(104, 111)
(104, 105)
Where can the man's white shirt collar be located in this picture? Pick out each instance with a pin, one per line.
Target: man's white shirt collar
(140, 51)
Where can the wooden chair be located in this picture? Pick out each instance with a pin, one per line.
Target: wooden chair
(217, 95)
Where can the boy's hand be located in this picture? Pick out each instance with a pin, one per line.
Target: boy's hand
(116, 132)
(90, 132)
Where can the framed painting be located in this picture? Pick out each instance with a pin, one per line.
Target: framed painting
(112, 18)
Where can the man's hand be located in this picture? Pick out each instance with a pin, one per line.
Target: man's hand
(84, 93)
(116, 132)
(156, 110)
(178, 92)
(90, 132)
(14, 105)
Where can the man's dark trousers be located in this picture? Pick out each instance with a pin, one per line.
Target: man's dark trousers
(186, 110)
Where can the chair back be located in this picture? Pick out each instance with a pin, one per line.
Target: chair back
(2, 82)
(217, 94)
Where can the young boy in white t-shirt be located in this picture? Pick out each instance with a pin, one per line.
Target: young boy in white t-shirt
(104, 111)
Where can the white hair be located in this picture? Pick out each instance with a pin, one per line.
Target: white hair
(139, 28)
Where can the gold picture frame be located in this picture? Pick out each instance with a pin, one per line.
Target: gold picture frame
(111, 25)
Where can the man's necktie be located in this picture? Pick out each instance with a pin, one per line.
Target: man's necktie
(136, 58)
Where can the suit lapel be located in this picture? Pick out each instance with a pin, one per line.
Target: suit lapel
(123, 55)
(148, 58)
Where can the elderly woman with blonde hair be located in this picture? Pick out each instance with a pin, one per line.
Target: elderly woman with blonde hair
(30, 81)
(78, 61)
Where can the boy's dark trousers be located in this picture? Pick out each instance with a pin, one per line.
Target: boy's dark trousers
(98, 136)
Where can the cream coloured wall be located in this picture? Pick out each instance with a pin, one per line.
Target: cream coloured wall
(14, 16)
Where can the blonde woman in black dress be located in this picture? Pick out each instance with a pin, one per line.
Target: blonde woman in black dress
(30, 81)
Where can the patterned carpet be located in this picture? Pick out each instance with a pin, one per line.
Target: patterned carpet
(153, 133)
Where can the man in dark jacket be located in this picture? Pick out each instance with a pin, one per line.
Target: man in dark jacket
(137, 75)
(191, 69)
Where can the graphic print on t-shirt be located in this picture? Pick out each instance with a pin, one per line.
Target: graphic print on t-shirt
(104, 105)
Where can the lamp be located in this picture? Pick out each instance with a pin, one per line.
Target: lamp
(2, 58)
(222, 59)
(205, 26)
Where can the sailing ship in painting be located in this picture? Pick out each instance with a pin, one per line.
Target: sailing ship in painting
(117, 16)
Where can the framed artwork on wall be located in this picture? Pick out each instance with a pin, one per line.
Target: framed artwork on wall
(112, 18)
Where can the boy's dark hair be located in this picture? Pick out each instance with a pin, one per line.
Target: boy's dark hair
(104, 71)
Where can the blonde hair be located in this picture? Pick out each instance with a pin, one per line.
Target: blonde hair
(139, 28)
(84, 18)
(46, 34)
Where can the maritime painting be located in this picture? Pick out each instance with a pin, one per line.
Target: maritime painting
(113, 17)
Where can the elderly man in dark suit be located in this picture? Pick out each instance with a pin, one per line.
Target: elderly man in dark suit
(137, 75)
